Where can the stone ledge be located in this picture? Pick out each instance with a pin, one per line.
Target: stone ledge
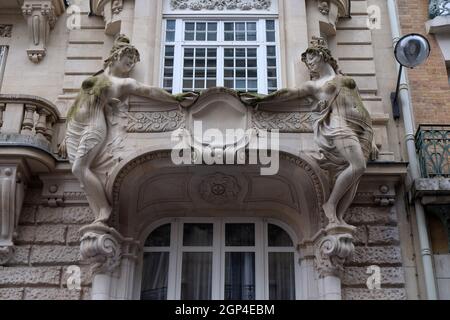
(366, 294)
(51, 294)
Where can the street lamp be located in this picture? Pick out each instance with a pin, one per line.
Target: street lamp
(410, 51)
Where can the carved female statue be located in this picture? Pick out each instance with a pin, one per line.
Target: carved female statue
(342, 126)
(86, 123)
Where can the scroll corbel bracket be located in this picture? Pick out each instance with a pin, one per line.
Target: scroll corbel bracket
(103, 247)
(332, 251)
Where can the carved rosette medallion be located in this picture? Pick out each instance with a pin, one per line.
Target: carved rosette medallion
(332, 251)
(219, 188)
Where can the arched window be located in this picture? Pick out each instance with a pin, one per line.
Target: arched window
(219, 259)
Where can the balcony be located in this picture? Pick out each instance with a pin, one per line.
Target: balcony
(433, 148)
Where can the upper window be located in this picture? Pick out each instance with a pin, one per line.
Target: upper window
(240, 55)
(217, 259)
(3, 53)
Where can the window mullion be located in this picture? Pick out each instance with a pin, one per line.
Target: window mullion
(262, 57)
(220, 66)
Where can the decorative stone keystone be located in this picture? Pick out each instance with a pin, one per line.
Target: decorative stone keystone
(41, 16)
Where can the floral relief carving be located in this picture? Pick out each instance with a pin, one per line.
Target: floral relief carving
(297, 122)
(220, 4)
(219, 188)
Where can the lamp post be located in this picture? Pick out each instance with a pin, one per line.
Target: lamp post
(410, 51)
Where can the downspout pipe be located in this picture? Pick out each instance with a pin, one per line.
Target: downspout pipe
(408, 120)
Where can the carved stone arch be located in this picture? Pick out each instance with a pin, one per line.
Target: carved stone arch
(154, 162)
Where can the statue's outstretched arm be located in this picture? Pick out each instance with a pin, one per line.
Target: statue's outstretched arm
(283, 95)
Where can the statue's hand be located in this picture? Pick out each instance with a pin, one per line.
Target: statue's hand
(250, 99)
(62, 149)
(375, 151)
(187, 99)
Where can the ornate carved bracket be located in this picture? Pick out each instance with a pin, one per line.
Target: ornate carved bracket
(41, 16)
(12, 191)
(111, 11)
(104, 247)
(332, 249)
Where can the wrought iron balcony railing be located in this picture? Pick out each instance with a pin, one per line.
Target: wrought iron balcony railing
(439, 8)
(433, 148)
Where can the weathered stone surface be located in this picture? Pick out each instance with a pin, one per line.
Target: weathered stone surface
(383, 235)
(376, 255)
(47, 234)
(49, 215)
(73, 235)
(28, 215)
(21, 255)
(360, 235)
(78, 215)
(85, 274)
(11, 294)
(51, 294)
(370, 215)
(25, 234)
(30, 275)
(358, 276)
(55, 254)
(366, 294)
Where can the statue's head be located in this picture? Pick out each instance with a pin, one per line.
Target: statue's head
(317, 54)
(123, 56)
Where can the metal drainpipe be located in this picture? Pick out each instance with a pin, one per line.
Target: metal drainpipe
(408, 120)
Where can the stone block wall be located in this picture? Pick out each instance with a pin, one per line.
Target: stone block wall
(377, 243)
(47, 244)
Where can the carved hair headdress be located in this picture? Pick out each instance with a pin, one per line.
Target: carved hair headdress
(121, 48)
(319, 46)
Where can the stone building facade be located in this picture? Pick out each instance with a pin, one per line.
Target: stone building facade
(48, 239)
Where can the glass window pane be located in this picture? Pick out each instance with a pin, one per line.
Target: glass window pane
(229, 36)
(240, 234)
(270, 36)
(211, 63)
(271, 62)
(170, 25)
(160, 237)
(229, 83)
(228, 73)
(155, 276)
(239, 276)
(229, 26)
(200, 52)
(278, 237)
(188, 52)
(272, 83)
(229, 52)
(199, 62)
(201, 26)
(189, 36)
(187, 84)
(240, 52)
(251, 36)
(170, 36)
(169, 51)
(212, 36)
(201, 36)
(196, 276)
(270, 25)
(251, 63)
(271, 51)
(212, 26)
(240, 36)
(251, 52)
(281, 276)
(210, 83)
(189, 63)
(198, 234)
(240, 73)
(240, 26)
(252, 73)
(167, 83)
(251, 26)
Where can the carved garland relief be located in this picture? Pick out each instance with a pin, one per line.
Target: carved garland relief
(220, 4)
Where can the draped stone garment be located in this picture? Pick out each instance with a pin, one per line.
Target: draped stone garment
(343, 117)
(86, 130)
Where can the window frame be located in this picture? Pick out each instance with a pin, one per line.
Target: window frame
(3, 59)
(261, 44)
(218, 250)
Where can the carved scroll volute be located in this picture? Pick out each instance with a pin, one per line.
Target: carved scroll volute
(12, 189)
(41, 17)
(332, 250)
(103, 247)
